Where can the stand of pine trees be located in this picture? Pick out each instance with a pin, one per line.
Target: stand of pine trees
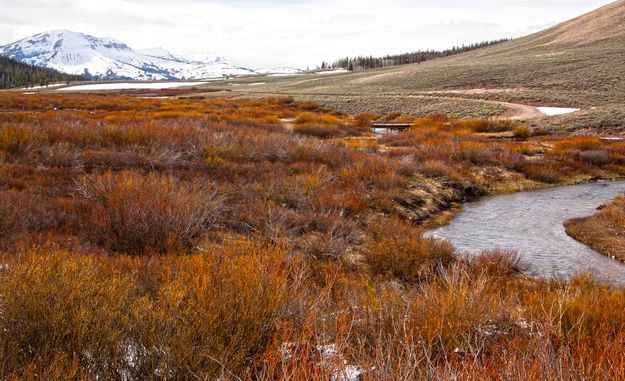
(361, 63)
(14, 73)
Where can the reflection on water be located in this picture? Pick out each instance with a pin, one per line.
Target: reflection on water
(532, 224)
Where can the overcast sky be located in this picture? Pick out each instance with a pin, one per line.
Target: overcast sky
(265, 33)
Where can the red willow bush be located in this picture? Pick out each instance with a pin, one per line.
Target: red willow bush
(302, 183)
(153, 213)
(401, 252)
(448, 147)
(164, 317)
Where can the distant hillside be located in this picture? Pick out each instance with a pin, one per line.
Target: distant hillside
(17, 74)
(370, 62)
(579, 63)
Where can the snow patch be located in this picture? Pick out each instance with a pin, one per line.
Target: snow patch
(53, 85)
(130, 85)
(331, 72)
(332, 360)
(552, 111)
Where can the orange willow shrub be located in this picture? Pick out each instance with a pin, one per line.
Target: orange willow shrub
(15, 139)
(499, 263)
(371, 294)
(447, 123)
(399, 251)
(581, 143)
(233, 142)
(325, 125)
(317, 130)
(522, 132)
(462, 323)
(140, 214)
(546, 172)
(588, 306)
(364, 119)
(484, 125)
(463, 156)
(137, 318)
(23, 216)
(408, 258)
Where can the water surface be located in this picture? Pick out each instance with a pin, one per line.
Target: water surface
(532, 224)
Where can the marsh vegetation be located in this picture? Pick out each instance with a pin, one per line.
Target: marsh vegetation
(192, 238)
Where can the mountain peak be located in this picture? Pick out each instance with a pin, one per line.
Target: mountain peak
(60, 32)
(107, 58)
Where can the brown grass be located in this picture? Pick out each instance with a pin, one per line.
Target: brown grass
(603, 231)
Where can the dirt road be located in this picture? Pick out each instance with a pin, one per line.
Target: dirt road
(518, 111)
(514, 111)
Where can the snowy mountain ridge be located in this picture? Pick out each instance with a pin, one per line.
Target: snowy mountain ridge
(108, 58)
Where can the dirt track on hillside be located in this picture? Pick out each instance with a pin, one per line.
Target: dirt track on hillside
(514, 111)
(519, 112)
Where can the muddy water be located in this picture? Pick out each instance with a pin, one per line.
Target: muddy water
(532, 224)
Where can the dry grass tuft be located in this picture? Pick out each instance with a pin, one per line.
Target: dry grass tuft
(151, 214)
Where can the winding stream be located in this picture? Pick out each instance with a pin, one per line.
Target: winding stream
(532, 223)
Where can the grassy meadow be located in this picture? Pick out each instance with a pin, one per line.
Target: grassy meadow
(275, 239)
(579, 63)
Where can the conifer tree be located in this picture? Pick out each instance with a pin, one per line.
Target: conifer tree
(14, 73)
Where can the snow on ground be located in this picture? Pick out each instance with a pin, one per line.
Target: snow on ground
(551, 111)
(331, 360)
(43, 87)
(131, 85)
(257, 83)
(329, 72)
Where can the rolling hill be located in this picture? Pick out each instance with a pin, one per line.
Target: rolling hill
(579, 63)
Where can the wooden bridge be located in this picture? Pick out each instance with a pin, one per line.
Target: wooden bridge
(389, 127)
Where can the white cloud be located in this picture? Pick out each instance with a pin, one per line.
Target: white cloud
(298, 33)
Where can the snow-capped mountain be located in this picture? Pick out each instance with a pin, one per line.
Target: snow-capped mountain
(107, 58)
